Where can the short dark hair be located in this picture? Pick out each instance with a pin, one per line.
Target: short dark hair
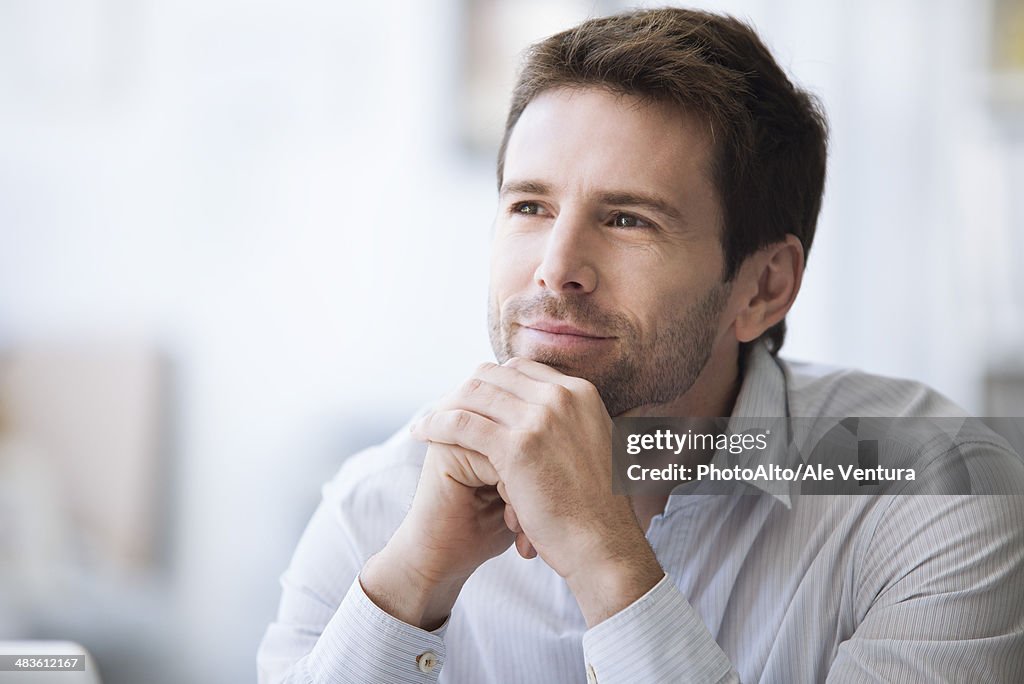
(769, 137)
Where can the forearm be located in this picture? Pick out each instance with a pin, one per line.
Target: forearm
(615, 579)
(394, 584)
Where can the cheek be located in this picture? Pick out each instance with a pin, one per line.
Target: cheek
(659, 303)
(511, 267)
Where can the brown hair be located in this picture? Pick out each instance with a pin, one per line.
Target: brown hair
(769, 136)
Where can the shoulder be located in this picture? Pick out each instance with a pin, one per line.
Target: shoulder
(905, 424)
(966, 550)
(379, 480)
(821, 390)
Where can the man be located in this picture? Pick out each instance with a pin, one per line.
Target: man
(659, 185)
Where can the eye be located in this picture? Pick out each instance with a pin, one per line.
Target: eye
(525, 208)
(620, 220)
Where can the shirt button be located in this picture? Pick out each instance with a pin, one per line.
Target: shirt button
(427, 661)
(591, 675)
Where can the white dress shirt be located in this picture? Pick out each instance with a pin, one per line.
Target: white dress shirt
(759, 588)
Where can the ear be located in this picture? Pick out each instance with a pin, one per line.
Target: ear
(774, 275)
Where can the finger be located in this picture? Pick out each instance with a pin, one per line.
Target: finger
(461, 427)
(530, 393)
(524, 547)
(514, 382)
(502, 492)
(467, 467)
(446, 400)
(502, 392)
(543, 373)
(539, 371)
(512, 520)
(486, 398)
(523, 544)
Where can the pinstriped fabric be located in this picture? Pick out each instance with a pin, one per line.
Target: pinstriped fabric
(767, 588)
(639, 633)
(390, 658)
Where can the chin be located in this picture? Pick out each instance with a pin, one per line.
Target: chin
(584, 366)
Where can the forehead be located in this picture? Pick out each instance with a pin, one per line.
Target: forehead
(591, 138)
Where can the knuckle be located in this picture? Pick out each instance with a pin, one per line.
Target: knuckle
(579, 385)
(484, 367)
(586, 389)
(539, 419)
(559, 396)
(472, 385)
(522, 441)
(462, 420)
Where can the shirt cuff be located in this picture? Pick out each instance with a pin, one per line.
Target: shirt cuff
(657, 638)
(362, 643)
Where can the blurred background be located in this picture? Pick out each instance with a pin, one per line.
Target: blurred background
(241, 240)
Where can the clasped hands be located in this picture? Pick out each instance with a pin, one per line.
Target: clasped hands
(542, 439)
(518, 452)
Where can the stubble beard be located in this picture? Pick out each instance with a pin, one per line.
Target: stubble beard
(656, 371)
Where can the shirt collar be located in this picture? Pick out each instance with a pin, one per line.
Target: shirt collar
(764, 394)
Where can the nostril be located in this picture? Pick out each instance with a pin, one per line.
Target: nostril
(573, 278)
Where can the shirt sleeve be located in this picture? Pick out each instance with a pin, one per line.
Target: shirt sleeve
(362, 643)
(327, 629)
(940, 593)
(657, 638)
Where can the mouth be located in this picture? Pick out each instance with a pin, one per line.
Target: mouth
(559, 328)
(550, 333)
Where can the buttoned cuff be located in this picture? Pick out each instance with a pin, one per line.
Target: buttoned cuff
(657, 638)
(362, 643)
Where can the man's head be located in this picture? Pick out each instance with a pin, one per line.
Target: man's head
(659, 180)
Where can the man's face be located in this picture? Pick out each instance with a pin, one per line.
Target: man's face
(607, 263)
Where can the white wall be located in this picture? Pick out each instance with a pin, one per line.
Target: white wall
(273, 193)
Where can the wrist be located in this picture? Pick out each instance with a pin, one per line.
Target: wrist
(393, 580)
(610, 582)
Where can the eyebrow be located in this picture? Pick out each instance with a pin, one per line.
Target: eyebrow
(525, 188)
(615, 197)
(633, 199)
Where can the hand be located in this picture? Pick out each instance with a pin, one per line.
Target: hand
(457, 521)
(548, 439)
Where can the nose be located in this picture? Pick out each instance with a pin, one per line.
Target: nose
(567, 264)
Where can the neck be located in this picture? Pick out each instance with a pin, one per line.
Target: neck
(713, 394)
